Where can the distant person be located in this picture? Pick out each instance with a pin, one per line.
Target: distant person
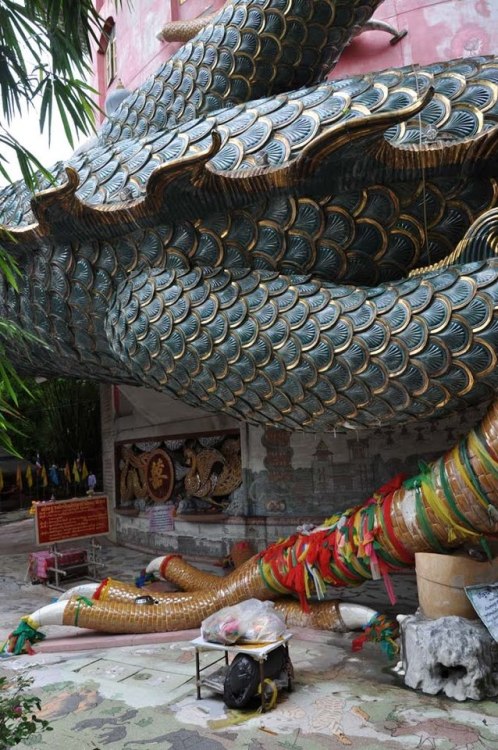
(92, 482)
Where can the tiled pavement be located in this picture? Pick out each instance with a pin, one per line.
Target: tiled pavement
(142, 694)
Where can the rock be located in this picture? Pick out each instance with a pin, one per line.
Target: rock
(450, 655)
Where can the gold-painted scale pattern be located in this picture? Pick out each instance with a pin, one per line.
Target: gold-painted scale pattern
(243, 257)
(272, 132)
(243, 307)
(251, 49)
(304, 355)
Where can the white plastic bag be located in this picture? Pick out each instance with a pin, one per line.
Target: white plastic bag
(250, 621)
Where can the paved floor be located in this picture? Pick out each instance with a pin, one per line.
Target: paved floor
(127, 693)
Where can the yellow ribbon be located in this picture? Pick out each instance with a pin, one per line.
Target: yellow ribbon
(463, 473)
(440, 509)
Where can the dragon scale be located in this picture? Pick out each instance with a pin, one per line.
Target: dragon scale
(311, 254)
(257, 310)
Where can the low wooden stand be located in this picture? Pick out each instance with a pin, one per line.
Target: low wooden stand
(58, 565)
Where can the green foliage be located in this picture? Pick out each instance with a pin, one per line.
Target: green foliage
(45, 53)
(61, 418)
(18, 712)
(11, 387)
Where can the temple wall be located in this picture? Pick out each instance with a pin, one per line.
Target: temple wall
(437, 30)
(289, 479)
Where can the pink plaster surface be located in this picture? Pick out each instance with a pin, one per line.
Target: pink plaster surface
(437, 30)
(386, 10)
(139, 52)
(86, 640)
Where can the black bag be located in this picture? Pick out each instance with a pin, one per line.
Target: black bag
(242, 678)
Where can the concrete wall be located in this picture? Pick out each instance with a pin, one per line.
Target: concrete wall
(141, 416)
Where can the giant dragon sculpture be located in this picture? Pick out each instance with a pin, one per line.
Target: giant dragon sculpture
(310, 254)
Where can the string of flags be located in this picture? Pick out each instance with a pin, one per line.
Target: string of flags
(78, 473)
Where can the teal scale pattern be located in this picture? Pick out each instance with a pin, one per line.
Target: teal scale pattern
(290, 308)
(250, 50)
(303, 355)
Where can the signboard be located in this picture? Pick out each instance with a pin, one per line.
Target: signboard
(484, 599)
(161, 518)
(78, 518)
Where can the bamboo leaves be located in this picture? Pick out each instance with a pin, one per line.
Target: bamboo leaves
(45, 55)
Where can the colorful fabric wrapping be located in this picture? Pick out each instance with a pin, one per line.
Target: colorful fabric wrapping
(381, 630)
(346, 552)
(100, 593)
(361, 543)
(144, 578)
(20, 640)
(443, 505)
(164, 565)
(81, 600)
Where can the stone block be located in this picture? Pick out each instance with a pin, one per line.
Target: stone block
(450, 655)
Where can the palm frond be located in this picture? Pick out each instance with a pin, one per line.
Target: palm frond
(45, 55)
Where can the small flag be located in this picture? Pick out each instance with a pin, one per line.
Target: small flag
(1, 480)
(76, 473)
(84, 472)
(19, 477)
(54, 475)
(29, 476)
(67, 471)
(44, 477)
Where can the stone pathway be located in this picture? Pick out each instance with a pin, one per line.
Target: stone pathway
(142, 695)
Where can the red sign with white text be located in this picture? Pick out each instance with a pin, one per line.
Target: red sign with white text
(78, 518)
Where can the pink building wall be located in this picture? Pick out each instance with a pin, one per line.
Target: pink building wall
(139, 52)
(437, 30)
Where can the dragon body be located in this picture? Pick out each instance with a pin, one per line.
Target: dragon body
(213, 472)
(254, 259)
(291, 251)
